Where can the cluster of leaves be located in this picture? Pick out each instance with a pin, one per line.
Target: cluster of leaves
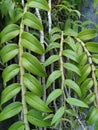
(72, 84)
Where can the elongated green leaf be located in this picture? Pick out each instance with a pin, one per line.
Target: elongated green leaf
(92, 115)
(41, 4)
(49, 116)
(96, 125)
(32, 64)
(76, 102)
(10, 72)
(92, 46)
(9, 92)
(85, 71)
(74, 86)
(36, 102)
(71, 112)
(70, 32)
(53, 76)
(58, 115)
(95, 58)
(53, 95)
(71, 54)
(10, 110)
(36, 118)
(95, 4)
(96, 73)
(33, 84)
(54, 30)
(90, 98)
(87, 34)
(82, 59)
(52, 46)
(8, 52)
(79, 49)
(55, 37)
(86, 85)
(19, 125)
(32, 21)
(30, 42)
(51, 59)
(72, 67)
(70, 41)
(9, 32)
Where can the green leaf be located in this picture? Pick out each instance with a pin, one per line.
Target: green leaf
(9, 32)
(79, 49)
(58, 115)
(70, 41)
(89, 98)
(74, 86)
(70, 32)
(95, 58)
(68, 23)
(10, 72)
(52, 45)
(40, 4)
(82, 59)
(72, 67)
(86, 85)
(55, 37)
(76, 102)
(52, 77)
(96, 73)
(35, 102)
(92, 46)
(36, 118)
(87, 34)
(49, 116)
(8, 52)
(32, 21)
(30, 42)
(96, 125)
(32, 64)
(10, 110)
(71, 112)
(54, 30)
(92, 115)
(77, 12)
(33, 84)
(85, 71)
(19, 125)
(71, 54)
(53, 95)
(9, 92)
(51, 59)
(18, 13)
(95, 4)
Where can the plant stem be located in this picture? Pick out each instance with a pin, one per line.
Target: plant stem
(61, 62)
(49, 16)
(23, 89)
(93, 71)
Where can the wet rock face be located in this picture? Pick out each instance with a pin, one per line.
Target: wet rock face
(88, 11)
